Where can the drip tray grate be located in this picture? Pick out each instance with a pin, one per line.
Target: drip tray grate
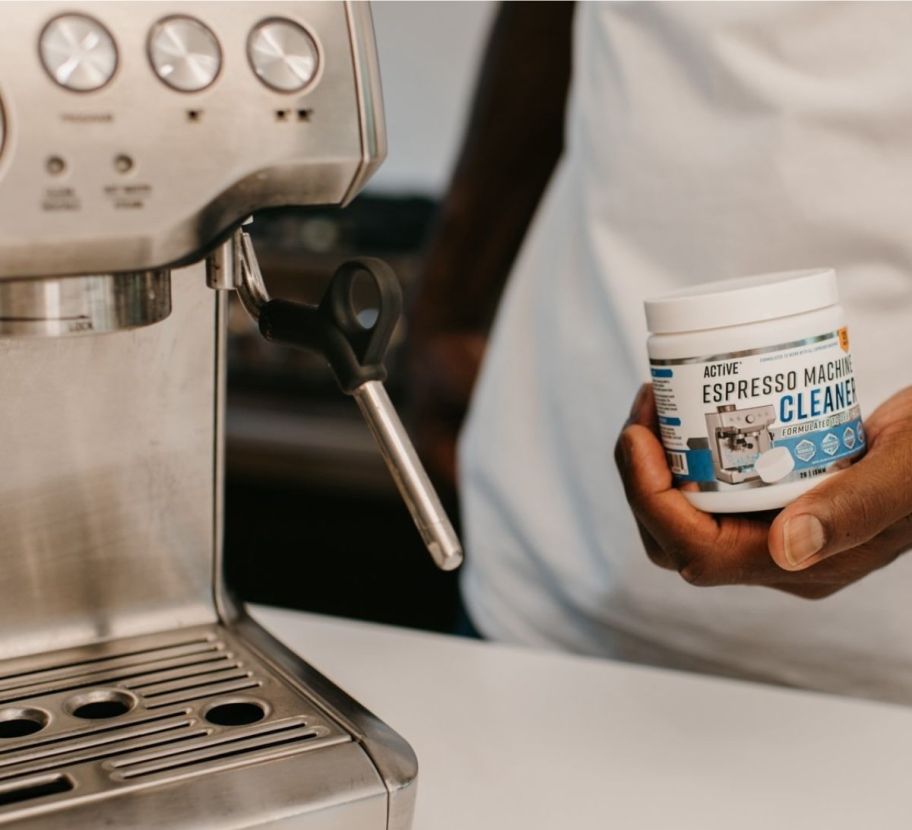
(148, 709)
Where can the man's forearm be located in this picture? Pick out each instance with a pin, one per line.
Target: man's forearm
(513, 141)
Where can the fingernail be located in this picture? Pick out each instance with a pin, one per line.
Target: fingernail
(804, 536)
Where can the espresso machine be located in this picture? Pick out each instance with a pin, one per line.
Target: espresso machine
(135, 141)
(737, 438)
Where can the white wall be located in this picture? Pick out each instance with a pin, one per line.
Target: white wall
(429, 58)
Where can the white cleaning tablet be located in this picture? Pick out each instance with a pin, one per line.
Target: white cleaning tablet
(774, 465)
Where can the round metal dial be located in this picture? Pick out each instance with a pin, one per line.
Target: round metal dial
(184, 53)
(78, 52)
(283, 55)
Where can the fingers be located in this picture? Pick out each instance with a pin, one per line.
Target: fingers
(894, 413)
(660, 508)
(704, 550)
(654, 550)
(643, 410)
(850, 508)
(837, 572)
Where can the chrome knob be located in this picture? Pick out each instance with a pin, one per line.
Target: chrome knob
(78, 52)
(283, 55)
(184, 53)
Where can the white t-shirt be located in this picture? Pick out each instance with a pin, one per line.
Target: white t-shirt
(703, 142)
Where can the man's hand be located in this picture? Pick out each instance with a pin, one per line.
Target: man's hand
(442, 373)
(852, 523)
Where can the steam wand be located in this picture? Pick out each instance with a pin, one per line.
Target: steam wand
(355, 353)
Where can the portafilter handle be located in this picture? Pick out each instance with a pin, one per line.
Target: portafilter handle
(355, 350)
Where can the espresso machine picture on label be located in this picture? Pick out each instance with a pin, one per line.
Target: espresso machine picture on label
(136, 140)
(737, 439)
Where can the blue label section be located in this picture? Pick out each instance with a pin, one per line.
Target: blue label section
(814, 449)
(661, 373)
(817, 449)
(669, 422)
(699, 465)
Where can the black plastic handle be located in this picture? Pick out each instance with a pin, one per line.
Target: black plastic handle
(354, 351)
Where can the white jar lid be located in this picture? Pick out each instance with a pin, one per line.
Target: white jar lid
(736, 302)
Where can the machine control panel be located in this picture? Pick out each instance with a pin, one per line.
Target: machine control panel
(133, 135)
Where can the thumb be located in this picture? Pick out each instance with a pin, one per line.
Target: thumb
(846, 509)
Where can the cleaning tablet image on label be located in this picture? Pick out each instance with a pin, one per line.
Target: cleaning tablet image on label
(774, 465)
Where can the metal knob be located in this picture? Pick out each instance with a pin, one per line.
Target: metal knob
(78, 52)
(283, 55)
(184, 53)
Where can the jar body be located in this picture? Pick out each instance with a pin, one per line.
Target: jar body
(753, 415)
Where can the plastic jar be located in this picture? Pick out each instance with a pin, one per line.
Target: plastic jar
(754, 388)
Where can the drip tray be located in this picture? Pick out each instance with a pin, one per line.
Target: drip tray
(150, 712)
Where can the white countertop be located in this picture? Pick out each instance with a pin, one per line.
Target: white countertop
(513, 738)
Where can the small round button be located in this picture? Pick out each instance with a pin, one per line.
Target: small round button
(184, 53)
(123, 163)
(283, 55)
(55, 165)
(78, 52)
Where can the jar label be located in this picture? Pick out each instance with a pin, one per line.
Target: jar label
(759, 417)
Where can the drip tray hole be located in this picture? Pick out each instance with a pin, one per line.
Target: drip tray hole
(100, 704)
(17, 723)
(235, 713)
(101, 709)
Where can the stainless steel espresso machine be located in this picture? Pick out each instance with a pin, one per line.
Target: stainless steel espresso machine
(135, 139)
(737, 438)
